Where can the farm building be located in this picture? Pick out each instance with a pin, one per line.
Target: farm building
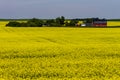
(95, 22)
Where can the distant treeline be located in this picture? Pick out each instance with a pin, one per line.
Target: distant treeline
(14, 19)
(57, 22)
(113, 19)
(34, 22)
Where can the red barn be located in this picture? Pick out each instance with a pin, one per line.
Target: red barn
(95, 22)
(99, 22)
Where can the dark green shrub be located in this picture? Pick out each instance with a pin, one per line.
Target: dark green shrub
(35, 22)
(13, 24)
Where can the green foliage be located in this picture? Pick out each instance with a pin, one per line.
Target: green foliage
(39, 23)
(50, 22)
(59, 21)
(89, 20)
(72, 22)
(23, 24)
(35, 22)
(30, 23)
(62, 20)
(14, 24)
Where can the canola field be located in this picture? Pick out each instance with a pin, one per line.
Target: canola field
(113, 23)
(53, 53)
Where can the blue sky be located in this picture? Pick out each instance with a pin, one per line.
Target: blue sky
(55, 8)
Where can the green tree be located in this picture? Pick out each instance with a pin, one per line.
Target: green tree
(60, 21)
(72, 22)
(13, 24)
(35, 22)
(50, 22)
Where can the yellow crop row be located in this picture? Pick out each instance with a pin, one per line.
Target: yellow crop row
(113, 23)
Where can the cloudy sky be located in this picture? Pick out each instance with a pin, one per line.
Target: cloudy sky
(55, 8)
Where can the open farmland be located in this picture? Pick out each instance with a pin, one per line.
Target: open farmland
(3, 23)
(59, 53)
(113, 23)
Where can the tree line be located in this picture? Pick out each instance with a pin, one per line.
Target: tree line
(34, 22)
